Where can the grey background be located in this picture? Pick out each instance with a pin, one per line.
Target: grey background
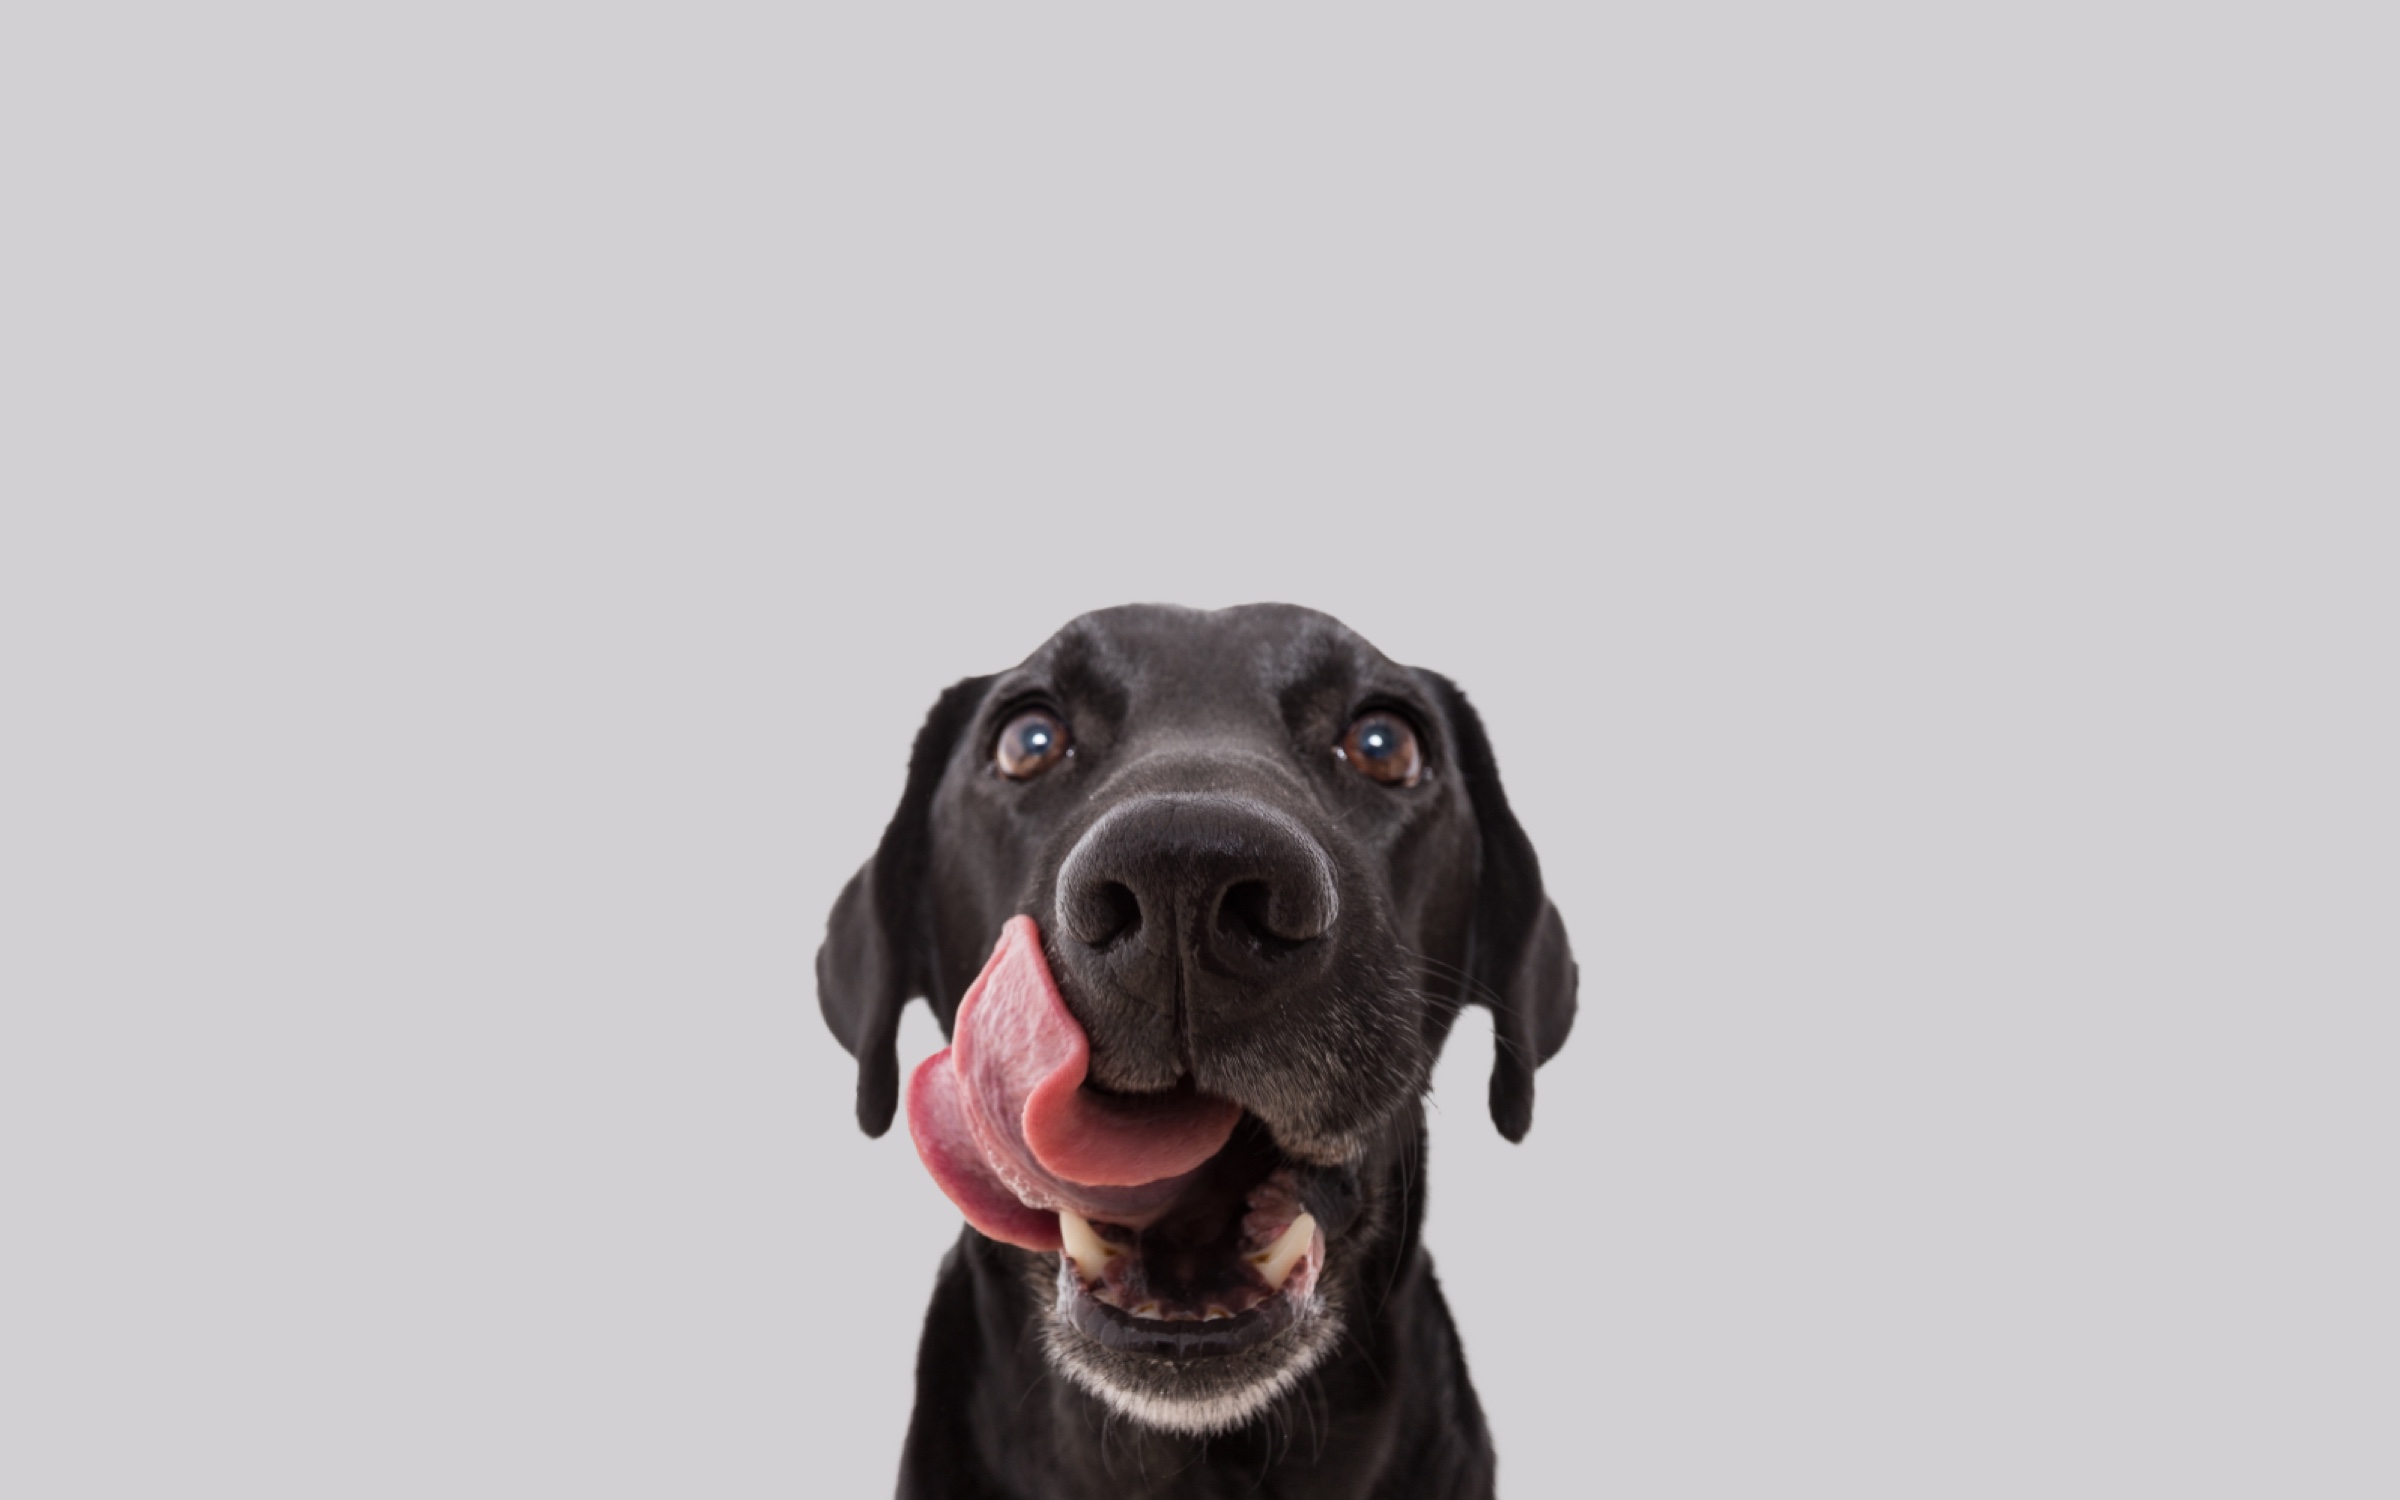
(490, 489)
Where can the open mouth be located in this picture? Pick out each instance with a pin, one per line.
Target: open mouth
(1181, 1229)
(1232, 1263)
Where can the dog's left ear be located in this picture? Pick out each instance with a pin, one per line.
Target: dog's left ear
(878, 950)
(1519, 963)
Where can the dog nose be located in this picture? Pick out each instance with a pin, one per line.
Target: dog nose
(1223, 888)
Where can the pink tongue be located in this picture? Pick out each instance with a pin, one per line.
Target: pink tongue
(1005, 1125)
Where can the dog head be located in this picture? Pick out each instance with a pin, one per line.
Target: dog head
(1267, 867)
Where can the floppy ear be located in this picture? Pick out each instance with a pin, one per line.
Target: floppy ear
(1519, 963)
(878, 950)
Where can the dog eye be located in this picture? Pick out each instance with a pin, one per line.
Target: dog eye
(1030, 744)
(1383, 747)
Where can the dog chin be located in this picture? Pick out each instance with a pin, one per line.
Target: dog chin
(1202, 1396)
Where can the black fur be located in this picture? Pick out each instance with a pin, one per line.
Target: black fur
(1225, 903)
(878, 951)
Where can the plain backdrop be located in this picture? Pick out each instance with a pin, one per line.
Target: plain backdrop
(487, 492)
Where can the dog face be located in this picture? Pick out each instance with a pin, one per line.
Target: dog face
(1268, 866)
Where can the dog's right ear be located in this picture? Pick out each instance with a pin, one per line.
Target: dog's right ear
(878, 951)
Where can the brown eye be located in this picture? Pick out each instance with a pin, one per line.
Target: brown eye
(1030, 744)
(1382, 746)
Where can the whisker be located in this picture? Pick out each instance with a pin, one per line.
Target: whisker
(1476, 987)
(1499, 1036)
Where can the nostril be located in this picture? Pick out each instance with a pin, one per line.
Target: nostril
(1246, 914)
(1106, 912)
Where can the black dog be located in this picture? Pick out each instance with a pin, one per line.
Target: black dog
(1268, 866)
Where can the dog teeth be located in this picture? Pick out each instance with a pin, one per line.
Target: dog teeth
(1084, 1246)
(1276, 1261)
(1091, 1256)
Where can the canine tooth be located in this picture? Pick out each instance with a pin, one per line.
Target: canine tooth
(1090, 1253)
(1215, 1312)
(1276, 1261)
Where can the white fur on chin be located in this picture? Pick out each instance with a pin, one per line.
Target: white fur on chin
(1314, 1334)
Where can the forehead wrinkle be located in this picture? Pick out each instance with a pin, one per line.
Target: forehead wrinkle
(1084, 645)
(1165, 665)
(1072, 665)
